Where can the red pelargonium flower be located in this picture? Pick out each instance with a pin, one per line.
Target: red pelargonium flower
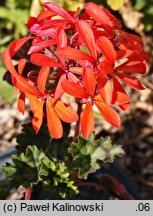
(117, 65)
(86, 92)
(64, 67)
(37, 97)
(87, 56)
(50, 27)
(55, 112)
(111, 63)
(100, 15)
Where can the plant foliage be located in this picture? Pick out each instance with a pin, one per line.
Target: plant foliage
(39, 159)
(90, 154)
(34, 166)
(146, 7)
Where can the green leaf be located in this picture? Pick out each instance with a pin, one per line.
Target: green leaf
(59, 147)
(115, 4)
(29, 137)
(25, 169)
(5, 188)
(34, 166)
(89, 154)
(57, 176)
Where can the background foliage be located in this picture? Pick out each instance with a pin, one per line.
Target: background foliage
(146, 7)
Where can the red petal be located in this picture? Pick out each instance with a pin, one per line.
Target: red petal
(98, 14)
(42, 78)
(133, 67)
(19, 82)
(72, 53)
(115, 23)
(122, 54)
(130, 81)
(43, 60)
(76, 70)
(144, 56)
(33, 100)
(74, 89)
(105, 68)
(120, 98)
(21, 65)
(8, 62)
(50, 32)
(109, 114)
(45, 14)
(61, 38)
(17, 44)
(134, 41)
(58, 11)
(85, 63)
(87, 120)
(41, 45)
(22, 84)
(73, 78)
(65, 113)
(117, 85)
(31, 21)
(89, 81)
(105, 89)
(124, 106)
(38, 116)
(54, 124)
(21, 103)
(87, 36)
(51, 24)
(107, 49)
(59, 90)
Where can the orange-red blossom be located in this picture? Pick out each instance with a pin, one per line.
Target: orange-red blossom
(87, 56)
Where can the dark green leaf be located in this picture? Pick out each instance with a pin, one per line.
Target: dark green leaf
(89, 153)
(29, 137)
(25, 169)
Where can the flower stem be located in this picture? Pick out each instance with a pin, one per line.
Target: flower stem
(77, 126)
(28, 193)
(54, 56)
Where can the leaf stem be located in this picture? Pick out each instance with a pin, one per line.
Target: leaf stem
(77, 126)
(28, 193)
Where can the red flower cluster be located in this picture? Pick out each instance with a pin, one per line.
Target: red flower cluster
(86, 56)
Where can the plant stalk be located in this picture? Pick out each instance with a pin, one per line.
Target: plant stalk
(77, 126)
(28, 193)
